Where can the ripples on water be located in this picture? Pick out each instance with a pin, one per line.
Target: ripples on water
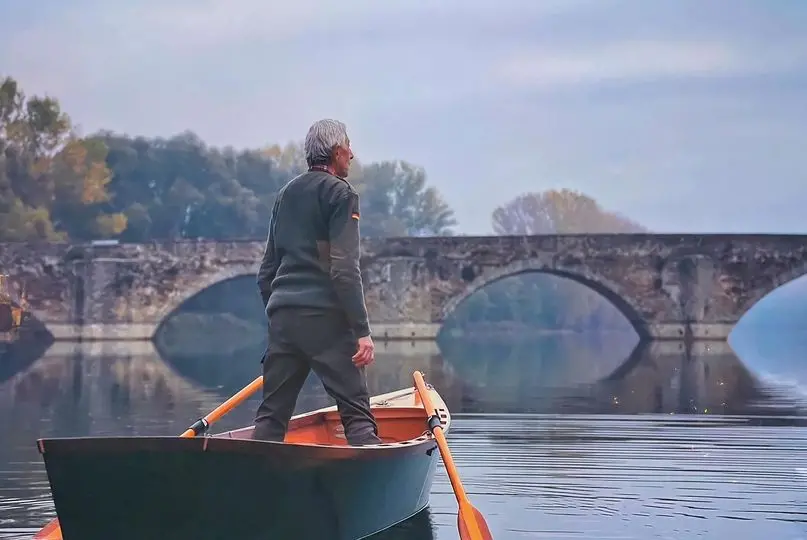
(654, 476)
(597, 471)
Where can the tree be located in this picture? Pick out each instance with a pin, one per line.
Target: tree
(179, 188)
(53, 184)
(395, 201)
(558, 212)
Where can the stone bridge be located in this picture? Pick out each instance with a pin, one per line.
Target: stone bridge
(669, 286)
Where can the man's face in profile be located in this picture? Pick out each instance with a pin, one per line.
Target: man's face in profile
(343, 156)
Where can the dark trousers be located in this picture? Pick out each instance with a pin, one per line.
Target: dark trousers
(301, 340)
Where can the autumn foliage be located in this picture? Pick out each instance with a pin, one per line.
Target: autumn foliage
(53, 184)
(58, 186)
(558, 212)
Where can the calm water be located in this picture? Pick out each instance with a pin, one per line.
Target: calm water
(553, 439)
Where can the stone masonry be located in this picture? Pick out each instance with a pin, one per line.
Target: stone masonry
(671, 286)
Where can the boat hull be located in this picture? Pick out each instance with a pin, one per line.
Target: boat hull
(313, 485)
(174, 488)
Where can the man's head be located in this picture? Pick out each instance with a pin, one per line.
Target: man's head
(327, 145)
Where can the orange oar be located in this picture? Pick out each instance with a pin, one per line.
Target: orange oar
(52, 531)
(201, 425)
(470, 522)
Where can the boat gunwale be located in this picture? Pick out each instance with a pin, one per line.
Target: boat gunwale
(225, 446)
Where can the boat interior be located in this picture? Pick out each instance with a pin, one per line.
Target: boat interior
(397, 424)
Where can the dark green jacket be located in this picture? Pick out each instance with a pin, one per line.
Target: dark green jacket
(313, 249)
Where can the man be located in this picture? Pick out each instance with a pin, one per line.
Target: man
(312, 291)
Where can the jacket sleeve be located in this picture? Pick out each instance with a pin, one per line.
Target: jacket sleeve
(345, 255)
(269, 263)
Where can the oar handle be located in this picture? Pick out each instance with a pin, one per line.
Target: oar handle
(201, 425)
(425, 397)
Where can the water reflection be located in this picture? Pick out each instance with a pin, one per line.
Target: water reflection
(541, 375)
(779, 361)
(565, 469)
(18, 354)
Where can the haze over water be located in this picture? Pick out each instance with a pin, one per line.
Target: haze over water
(675, 444)
(508, 117)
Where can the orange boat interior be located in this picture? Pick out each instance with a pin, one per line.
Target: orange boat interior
(395, 425)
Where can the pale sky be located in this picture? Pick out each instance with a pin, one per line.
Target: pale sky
(685, 115)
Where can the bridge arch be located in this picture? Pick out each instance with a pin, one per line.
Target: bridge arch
(204, 283)
(759, 294)
(781, 279)
(600, 284)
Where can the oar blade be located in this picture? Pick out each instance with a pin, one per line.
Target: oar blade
(471, 524)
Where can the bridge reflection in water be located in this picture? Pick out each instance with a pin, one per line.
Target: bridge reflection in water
(126, 387)
(106, 388)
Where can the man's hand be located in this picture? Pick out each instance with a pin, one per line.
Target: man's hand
(366, 353)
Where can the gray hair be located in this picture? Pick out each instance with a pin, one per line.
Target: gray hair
(321, 139)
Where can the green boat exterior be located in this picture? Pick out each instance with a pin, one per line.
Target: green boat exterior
(228, 486)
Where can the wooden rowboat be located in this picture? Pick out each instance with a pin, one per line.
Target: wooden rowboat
(227, 486)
